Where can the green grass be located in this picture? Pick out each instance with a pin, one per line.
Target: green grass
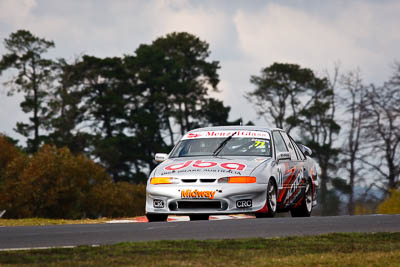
(379, 249)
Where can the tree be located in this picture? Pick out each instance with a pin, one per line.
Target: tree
(119, 110)
(213, 112)
(382, 131)
(8, 153)
(294, 98)
(102, 80)
(171, 79)
(150, 95)
(318, 128)
(25, 55)
(55, 183)
(391, 205)
(103, 107)
(354, 98)
(184, 76)
(281, 93)
(66, 110)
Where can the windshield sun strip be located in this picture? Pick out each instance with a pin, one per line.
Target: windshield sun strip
(180, 146)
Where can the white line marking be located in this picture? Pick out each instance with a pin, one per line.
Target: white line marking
(40, 248)
(17, 249)
(121, 221)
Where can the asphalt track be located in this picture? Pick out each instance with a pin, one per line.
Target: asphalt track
(97, 234)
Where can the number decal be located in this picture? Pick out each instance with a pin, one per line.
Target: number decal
(259, 144)
(280, 176)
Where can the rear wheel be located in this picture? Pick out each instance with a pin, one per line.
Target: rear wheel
(305, 208)
(157, 217)
(271, 201)
(199, 217)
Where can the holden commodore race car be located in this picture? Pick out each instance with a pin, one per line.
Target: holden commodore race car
(232, 169)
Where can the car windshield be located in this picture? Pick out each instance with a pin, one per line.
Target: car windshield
(236, 146)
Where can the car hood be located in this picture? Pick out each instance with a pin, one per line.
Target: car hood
(208, 167)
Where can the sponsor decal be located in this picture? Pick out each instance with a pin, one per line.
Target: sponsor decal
(205, 164)
(197, 194)
(158, 203)
(293, 181)
(224, 171)
(178, 166)
(213, 134)
(192, 135)
(287, 179)
(233, 166)
(295, 186)
(244, 203)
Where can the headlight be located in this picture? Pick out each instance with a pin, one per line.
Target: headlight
(238, 180)
(164, 180)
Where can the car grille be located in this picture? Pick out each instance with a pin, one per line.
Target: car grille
(182, 205)
(207, 180)
(201, 180)
(189, 180)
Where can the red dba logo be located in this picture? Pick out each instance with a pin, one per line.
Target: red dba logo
(206, 164)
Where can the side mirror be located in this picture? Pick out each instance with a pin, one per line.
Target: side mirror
(306, 150)
(160, 157)
(283, 155)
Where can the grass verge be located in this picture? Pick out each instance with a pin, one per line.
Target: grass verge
(354, 249)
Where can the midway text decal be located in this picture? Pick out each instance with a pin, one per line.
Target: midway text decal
(197, 194)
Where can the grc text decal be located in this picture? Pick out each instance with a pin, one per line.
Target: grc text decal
(197, 194)
(206, 164)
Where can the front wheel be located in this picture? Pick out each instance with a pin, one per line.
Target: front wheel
(271, 201)
(305, 208)
(157, 217)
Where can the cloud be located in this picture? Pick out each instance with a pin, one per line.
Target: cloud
(244, 36)
(209, 24)
(105, 28)
(16, 12)
(351, 35)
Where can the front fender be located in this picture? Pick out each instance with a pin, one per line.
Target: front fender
(264, 171)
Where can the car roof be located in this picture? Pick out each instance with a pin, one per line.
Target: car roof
(235, 127)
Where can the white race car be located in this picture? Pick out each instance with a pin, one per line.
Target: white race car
(232, 169)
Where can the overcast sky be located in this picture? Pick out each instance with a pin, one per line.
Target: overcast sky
(244, 36)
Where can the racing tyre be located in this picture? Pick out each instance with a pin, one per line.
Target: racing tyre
(305, 208)
(199, 217)
(271, 201)
(157, 217)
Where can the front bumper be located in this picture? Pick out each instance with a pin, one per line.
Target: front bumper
(214, 198)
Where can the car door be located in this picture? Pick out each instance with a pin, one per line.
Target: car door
(293, 177)
(282, 166)
(302, 161)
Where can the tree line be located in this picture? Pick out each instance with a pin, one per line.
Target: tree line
(55, 183)
(121, 110)
(352, 128)
(118, 110)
